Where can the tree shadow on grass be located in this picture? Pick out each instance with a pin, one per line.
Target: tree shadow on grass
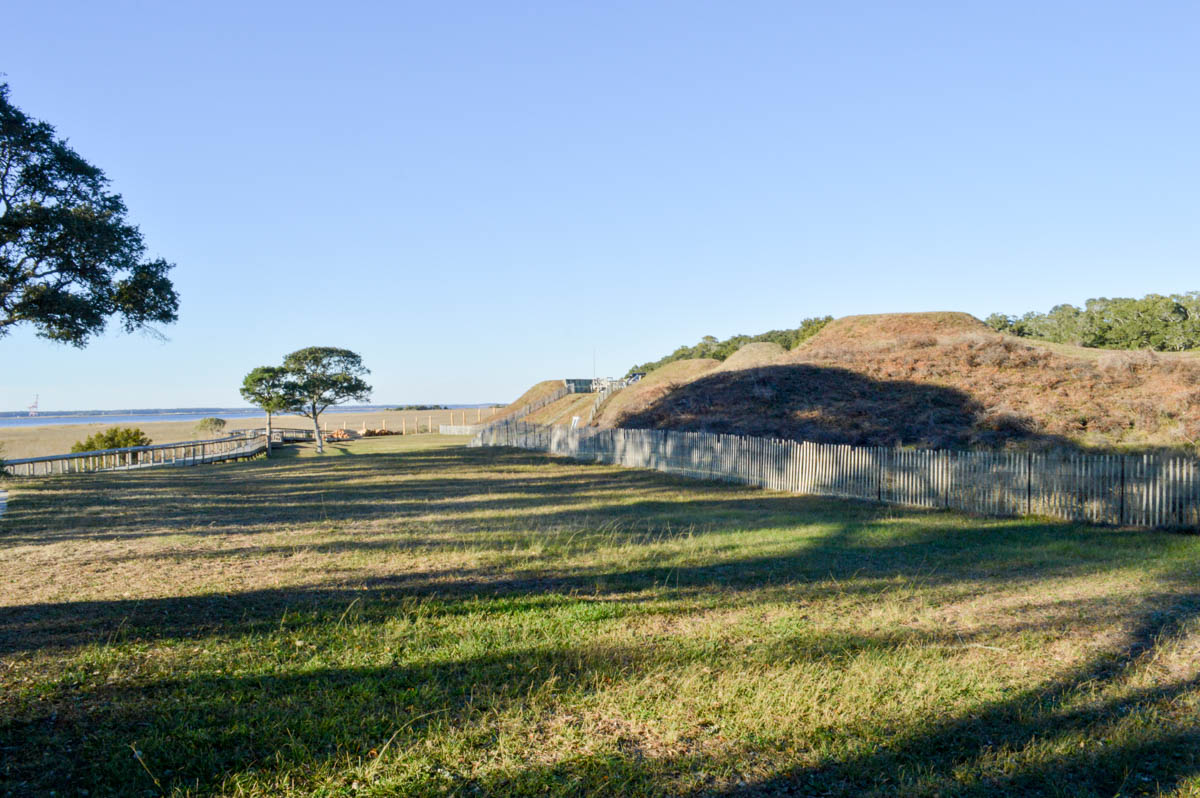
(846, 559)
(312, 717)
(243, 497)
(1086, 732)
(856, 547)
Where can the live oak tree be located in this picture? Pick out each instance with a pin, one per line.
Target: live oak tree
(266, 387)
(321, 376)
(68, 258)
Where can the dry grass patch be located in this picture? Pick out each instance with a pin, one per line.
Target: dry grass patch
(561, 411)
(16, 442)
(651, 389)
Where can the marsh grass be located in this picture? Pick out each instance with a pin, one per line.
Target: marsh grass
(52, 439)
(417, 618)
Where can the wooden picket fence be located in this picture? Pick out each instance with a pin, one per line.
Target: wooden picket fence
(1127, 490)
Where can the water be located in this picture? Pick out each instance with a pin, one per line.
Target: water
(151, 416)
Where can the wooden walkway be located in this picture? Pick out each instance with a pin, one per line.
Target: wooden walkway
(240, 445)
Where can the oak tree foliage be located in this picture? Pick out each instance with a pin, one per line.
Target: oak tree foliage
(319, 377)
(266, 388)
(1163, 323)
(69, 259)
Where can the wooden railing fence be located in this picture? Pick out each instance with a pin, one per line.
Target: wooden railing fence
(1132, 490)
(233, 447)
(280, 434)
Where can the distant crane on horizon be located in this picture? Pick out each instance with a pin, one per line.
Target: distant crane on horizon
(33, 408)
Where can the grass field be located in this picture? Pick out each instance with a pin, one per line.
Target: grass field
(57, 438)
(411, 617)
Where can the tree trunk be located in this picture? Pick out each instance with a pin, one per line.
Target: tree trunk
(317, 429)
(268, 433)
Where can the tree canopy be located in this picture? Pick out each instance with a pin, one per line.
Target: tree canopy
(321, 376)
(69, 260)
(267, 387)
(1164, 323)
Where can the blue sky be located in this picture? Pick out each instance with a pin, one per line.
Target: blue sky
(475, 196)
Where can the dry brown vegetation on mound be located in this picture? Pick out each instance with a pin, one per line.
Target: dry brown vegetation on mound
(880, 327)
(651, 389)
(761, 353)
(561, 411)
(937, 379)
(538, 391)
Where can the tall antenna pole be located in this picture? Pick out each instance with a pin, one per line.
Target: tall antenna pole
(593, 362)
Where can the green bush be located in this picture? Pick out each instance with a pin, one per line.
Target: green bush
(210, 426)
(112, 438)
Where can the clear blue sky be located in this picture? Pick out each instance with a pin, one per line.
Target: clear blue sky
(474, 195)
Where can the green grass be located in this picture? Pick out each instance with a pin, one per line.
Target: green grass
(417, 618)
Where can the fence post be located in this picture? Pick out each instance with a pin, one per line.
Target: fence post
(1121, 513)
(1028, 483)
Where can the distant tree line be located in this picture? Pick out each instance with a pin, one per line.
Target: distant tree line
(710, 347)
(421, 407)
(1163, 323)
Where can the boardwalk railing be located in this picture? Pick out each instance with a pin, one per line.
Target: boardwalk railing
(1133, 490)
(280, 434)
(216, 450)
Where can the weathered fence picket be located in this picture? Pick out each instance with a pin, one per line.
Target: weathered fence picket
(1133, 490)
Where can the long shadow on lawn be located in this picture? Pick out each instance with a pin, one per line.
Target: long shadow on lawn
(319, 723)
(196, 731)
(258, 495)
(837, 563)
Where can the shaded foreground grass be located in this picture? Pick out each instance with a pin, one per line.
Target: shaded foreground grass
(417, 618)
